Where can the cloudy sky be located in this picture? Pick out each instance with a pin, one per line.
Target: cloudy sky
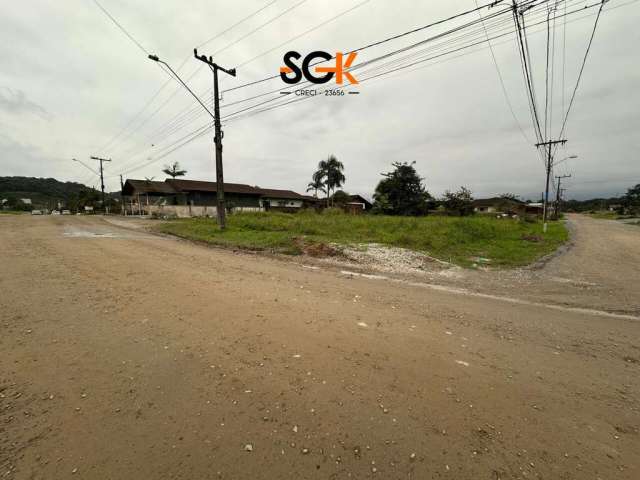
(72, 84)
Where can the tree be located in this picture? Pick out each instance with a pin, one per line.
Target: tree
(340, 198)
(330, 171)
(631, 200)
(174, 170)
(459, 202)
(401, 192)
(316, 184)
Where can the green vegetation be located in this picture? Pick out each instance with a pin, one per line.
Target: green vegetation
(47, 193)
(505, 242)
(11, 212)
(605, 215)
(401, 192)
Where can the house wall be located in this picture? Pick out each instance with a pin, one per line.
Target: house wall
(485, 209)
(275, 202)
(188, 211)
(232, 200)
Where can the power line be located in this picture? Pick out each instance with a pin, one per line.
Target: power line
(584, 62)
(366, 47)
(504, 88)
(164, 85)
(122, 29)
(277, 106)
(203, 130)
(190, 110)
(173, 94)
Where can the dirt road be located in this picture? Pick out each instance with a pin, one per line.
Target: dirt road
(130, 356)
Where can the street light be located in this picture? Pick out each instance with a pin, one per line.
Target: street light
(155, 58)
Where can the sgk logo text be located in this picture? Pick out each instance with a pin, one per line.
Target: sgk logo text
(291, 73)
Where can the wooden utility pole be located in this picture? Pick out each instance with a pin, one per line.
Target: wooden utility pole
(101, 160)
(549, 167)
(220, 206)
(558, 194)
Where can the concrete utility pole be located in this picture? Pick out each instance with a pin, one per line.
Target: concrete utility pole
(549, 167)
(102, 160)
(220, 207)
(559, 193)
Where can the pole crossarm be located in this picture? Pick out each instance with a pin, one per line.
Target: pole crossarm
(209, 61)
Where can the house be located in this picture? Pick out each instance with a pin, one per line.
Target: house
(281, 200)
(534, 208)
(498, 205)
(194, 198)
(507, 206)
(357, 204)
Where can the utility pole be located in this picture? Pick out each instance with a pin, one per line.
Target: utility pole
(220, 207)
(549, 167)
(559, 193)
(102, 160)
(122, 196)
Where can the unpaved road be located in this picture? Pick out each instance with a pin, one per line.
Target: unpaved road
(130, 356)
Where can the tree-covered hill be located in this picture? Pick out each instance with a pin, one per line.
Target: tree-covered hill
(43, 192)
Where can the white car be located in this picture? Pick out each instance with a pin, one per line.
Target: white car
(66, 212)
(55, 212)
(36, 212)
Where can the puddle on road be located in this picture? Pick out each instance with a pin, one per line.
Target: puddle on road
(85, 234)
(77, 233)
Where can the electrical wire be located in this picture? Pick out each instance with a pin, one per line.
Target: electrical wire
(256, 29)
(169, 80)
(203, 129)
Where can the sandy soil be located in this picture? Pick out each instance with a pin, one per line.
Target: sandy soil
(131, 356)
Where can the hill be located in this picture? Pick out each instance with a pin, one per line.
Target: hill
(44, 192)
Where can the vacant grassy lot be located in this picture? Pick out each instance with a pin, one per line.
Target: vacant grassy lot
(505, 242)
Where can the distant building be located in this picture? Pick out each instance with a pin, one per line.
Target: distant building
(357, 204)
(193, 198)
(507, 206)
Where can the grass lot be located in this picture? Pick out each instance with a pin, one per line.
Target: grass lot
(505, 242)
(11, 212)
(605, 215)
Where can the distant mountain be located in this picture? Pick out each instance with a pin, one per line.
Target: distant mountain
(45, 192)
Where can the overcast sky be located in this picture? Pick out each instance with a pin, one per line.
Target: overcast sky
(71, 81)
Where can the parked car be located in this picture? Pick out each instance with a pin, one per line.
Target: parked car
(66, 212)
(55, 212)
(36, 212)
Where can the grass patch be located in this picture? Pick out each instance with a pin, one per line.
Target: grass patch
(12, 212)
(604, 215)
(506, 242)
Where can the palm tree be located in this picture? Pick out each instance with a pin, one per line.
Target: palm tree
(174, 170)
(330, 170)
(316, 184)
